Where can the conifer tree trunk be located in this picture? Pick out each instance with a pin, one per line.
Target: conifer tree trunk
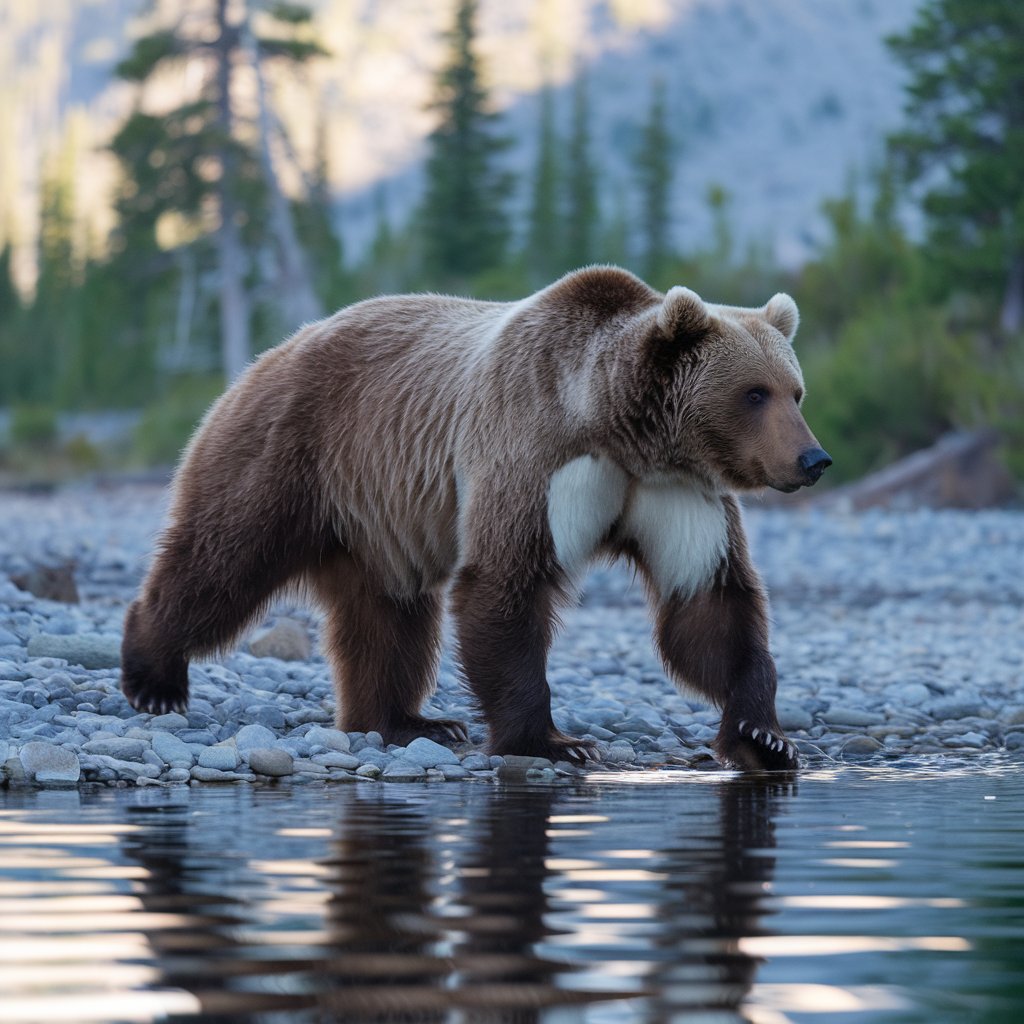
(236, 345)
(1011, 317)
(297, 300)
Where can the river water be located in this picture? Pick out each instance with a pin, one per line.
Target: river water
(882, 895)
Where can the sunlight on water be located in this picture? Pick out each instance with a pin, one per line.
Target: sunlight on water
(861, 895)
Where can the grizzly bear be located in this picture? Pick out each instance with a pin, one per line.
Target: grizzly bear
(413, 442)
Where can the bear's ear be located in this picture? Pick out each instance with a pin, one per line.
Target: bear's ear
(683, 317)
(782, 314)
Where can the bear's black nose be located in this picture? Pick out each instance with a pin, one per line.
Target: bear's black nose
(814, 462)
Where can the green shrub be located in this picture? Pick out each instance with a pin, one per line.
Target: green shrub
(33, 425)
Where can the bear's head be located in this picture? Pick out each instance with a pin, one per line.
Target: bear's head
(727, 388)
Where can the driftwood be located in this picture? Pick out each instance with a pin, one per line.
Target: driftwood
(961, 470)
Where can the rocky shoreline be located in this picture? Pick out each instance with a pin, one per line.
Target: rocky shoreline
(898, 635)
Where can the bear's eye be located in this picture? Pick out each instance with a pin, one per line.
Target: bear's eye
(755, 396)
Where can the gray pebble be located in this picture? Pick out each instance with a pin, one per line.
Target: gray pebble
(428, 754)
(403, 771)
(271, 761)
(171, 722)
(172, 750)
(332, 739)
(117, 746)
(57, 764)
(252, 736)
(336, 759)
(224, 757)
(85, 649)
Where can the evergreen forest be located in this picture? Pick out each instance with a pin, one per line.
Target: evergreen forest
(222, 243)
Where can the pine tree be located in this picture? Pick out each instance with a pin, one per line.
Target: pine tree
(180, 161)
(544, 234)
(965, 143)
(582, 213)
(463, 220)
(654, 170)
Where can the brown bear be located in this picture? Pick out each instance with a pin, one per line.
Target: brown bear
(413, 442)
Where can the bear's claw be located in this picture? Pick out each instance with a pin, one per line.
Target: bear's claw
(754, 748)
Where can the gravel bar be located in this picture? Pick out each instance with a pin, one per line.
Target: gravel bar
(898, 635)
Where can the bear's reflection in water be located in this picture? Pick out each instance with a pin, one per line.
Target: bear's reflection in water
(473, 903)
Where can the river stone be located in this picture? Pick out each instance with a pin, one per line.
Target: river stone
(117, 746)
(368, 771)
(793, 716)
(8, 639)
(172, 721)
(204, 774)
(837, 715)
(454, 772)
(1014, 741)
(90, 650)
(172, 750)
(860, 746)
(332, 739)
(249, 737)
(271, 761)
(224, 757)
(177, 775)
(286, 639)
(476, 762)
(56, 764)
(404, 771)
(49, 582)
(336, 759)
(954, 707)
(428, 754)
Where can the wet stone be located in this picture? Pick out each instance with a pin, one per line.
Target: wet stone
(404, 771)
(332, 739)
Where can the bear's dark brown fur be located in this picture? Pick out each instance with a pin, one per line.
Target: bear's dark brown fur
(412, 442)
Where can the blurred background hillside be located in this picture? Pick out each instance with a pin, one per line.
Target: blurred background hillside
(184, 182)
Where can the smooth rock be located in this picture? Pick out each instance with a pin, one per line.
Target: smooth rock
(332, 739)
(368, 771)
(90, 650)
(171, 722)
(49, 582)
(56, 763)
(271, 761)
(177, 775)
(249, 737)
(860, 746)
(793, 716)
(476, 762)
(117, 746)
(428, 754)
(851, 716)
(204, 774)
(953, 708)
(454, 772)
(172, 750)
(336, 759)
(224, 757)
(404, 771)
(287, 640)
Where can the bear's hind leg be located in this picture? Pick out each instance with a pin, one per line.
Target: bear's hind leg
(204, 588)
(384, 652)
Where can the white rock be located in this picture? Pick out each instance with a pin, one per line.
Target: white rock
(55, 763)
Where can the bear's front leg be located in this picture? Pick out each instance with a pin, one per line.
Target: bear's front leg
(716, 641)
(504, 630)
